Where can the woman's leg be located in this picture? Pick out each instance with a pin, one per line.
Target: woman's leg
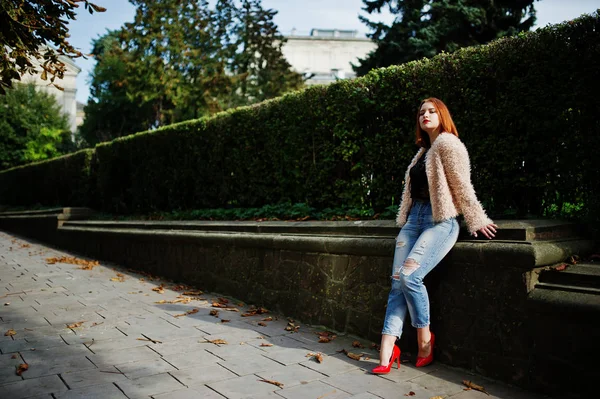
(430, 248)
(396, 306)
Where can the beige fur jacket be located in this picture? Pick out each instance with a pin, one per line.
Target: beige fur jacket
(450, 190)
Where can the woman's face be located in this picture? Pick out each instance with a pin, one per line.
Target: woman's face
(428, 117)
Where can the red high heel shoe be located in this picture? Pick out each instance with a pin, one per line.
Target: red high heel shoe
(386, 369)
(424, 361)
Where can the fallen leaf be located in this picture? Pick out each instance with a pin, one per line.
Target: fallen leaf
(268, 319)
(437, 397)
(214, 312)
(83, 264)
(324, 340)
(279, 384)
(161, 301)
(180, 287)
(317, 356)
(75, 325)
(120, 278)
(354, 356)
(292, 327)
(254, 311)
(195, 310)
(223, 300)
(160, 289)
(219, 305)
(193, 293)
(266, 344)
(13, 356)
(225, 320)
(357, 344)
(411, 393)
(21, 368)
(375, 346)
(231, 309)
(96, 324)
(260, 323)
(217, 341)
(7, 303)
(474, 386)
(10, 333)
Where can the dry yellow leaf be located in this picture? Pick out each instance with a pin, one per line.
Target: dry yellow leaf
(217, 341)
(160, 289)
(21, 368)
(474, 386)
(196, 293)
(75, 325)
(195, 310)
(317, 356)
(279, 384)
(354, 356)
(266, 344)
(10, 333)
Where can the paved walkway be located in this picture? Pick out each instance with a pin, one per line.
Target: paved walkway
(104, 333)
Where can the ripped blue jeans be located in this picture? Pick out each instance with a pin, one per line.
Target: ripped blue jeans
(420, 246)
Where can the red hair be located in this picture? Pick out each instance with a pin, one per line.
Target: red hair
(446, 123)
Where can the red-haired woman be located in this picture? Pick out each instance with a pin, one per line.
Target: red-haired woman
(437, 189)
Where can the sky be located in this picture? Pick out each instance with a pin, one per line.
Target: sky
(302, 15)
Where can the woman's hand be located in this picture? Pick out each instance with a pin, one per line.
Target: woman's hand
(489, 231)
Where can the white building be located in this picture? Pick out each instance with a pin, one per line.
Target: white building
(326, 54)
(66, 98)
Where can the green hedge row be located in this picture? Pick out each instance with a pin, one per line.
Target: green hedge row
(526, 107)
(62, 181)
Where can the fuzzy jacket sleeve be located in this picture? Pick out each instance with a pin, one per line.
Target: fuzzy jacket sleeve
(457, 168)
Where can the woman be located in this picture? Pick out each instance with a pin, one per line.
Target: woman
(437, 189)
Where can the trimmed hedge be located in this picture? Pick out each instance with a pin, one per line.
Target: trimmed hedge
(526, 107)
(62, 181)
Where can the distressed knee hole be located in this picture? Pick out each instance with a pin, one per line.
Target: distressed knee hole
(410, 265)
(400, 244)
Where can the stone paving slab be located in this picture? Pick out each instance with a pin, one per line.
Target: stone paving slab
(101, 391)
(132, 345)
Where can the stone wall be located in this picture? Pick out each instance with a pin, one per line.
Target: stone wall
(337, 275)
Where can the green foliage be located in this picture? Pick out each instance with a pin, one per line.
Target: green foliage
(32, 126)
(62, 181)
(111, 111)
(283, 211)
(426, 28)
(526, 108)
(217, 59)
(26, 29)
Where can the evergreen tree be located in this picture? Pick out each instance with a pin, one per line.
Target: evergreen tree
(255, 53)
(424, 28)
(111, 112)
(32, 126)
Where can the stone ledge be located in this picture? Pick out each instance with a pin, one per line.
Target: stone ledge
(509, 230)
(521, 254)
